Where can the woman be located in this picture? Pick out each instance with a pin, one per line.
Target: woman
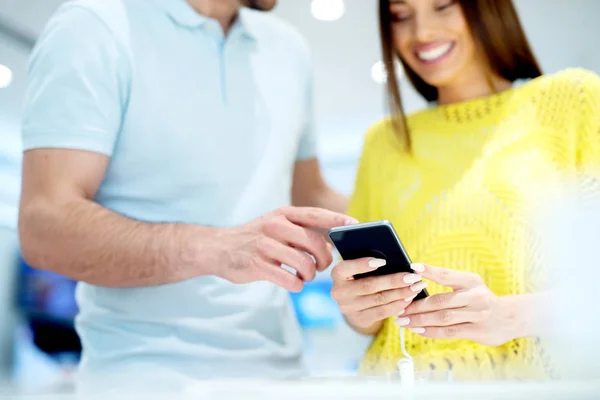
(458, 181)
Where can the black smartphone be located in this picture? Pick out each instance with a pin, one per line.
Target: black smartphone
(373, 239)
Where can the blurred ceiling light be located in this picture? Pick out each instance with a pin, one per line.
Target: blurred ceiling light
(379, 74)
(327, 10)
(6, 76)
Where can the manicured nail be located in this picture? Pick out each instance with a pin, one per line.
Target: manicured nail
(408, 300)
(417, 330)
(412, 278)
(418, 267)
(417, 287)
(376, 263)
(402, 321)
(401, 312)
(351, 221)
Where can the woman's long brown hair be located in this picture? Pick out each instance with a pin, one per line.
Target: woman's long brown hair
(498, 33)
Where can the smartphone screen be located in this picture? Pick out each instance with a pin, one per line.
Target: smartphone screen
(373, 239)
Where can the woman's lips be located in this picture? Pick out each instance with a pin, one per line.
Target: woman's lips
(433, 53)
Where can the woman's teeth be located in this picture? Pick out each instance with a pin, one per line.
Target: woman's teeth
(435, 53)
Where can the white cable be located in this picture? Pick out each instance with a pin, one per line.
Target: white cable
(406, 368)
(403, 345)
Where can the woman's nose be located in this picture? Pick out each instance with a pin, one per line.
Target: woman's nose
(424, 28)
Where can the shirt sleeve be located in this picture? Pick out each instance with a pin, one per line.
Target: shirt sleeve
(308, 146)
(78, 81)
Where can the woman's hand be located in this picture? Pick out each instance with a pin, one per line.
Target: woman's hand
(470, 312)
(366, 302)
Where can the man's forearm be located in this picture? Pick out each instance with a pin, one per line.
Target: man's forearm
(86, 242)
(326, 198)
(332, 200)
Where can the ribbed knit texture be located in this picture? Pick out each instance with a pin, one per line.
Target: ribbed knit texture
(463, 199)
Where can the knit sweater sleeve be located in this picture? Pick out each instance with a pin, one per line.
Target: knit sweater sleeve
(463, 360)
(587, 84)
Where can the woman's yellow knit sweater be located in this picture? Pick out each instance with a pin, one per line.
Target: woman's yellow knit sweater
(463, 197)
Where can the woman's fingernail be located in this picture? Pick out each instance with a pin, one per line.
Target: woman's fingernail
(351, 221)
(376, 263)
(417, 330)
(401, 312)
(412, 278)
(408, 300)
(402, 321)
(418, 267)
(417, 287)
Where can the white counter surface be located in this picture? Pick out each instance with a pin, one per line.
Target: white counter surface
(363, 389)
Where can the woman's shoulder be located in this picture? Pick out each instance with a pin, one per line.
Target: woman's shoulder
(383, 141)
(386, 136)
(381, 133)
(387, 129)
(572, 76)
(565, 85)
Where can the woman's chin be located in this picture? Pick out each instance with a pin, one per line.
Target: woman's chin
(439, 78)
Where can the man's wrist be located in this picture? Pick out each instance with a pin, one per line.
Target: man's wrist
(202, 250)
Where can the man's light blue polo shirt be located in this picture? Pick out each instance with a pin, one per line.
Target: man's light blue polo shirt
(201, 129)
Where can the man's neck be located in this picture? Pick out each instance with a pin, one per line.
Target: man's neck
(224, 11)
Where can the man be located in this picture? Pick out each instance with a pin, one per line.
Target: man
(159, 137)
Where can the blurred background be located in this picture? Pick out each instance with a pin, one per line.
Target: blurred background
(38, 347)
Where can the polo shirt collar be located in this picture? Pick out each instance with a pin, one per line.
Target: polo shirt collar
(183, 14)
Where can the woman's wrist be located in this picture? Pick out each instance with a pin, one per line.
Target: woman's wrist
(524, 315)
(367, 331)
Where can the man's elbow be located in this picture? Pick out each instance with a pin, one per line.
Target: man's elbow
(33, 244)
(302, 200)
(309, 195)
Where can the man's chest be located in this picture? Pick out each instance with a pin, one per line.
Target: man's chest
(213, 108)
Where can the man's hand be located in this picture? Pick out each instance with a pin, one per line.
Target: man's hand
(257, 250)
(470, 312)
